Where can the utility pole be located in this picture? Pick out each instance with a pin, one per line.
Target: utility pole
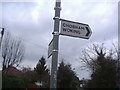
(53, 78)
(2, 33)
(118, 67)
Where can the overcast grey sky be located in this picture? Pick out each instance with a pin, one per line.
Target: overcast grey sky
(33, 22)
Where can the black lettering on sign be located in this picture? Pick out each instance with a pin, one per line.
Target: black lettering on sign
(73, 26)
(82, 28)
(64, 29)
(63, 24)
(72, 31)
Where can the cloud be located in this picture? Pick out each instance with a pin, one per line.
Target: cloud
(33, 22)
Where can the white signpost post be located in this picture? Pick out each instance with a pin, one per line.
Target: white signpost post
(75, 29)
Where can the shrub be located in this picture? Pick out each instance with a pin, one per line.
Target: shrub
(12, 82)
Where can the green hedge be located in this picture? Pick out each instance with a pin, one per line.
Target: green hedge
(12, 82)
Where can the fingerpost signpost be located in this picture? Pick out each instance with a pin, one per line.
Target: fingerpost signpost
(68, 28)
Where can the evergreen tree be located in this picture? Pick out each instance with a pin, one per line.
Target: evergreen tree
(42, 71)
(67, 77)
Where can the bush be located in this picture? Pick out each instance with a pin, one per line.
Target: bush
(12, 82)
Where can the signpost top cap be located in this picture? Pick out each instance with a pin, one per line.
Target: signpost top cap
(58, 0)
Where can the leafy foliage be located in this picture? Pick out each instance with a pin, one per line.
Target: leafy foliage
(12, 82)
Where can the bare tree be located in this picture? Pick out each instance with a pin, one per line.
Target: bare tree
(90, 55)
(12, 51)
(102, 64)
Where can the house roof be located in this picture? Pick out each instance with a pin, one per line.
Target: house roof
(13, 71)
